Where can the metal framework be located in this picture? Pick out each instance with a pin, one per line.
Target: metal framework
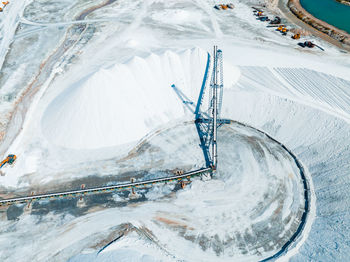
(207, 121)
(104, 189)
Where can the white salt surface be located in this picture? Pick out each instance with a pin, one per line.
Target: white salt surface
(305, 109)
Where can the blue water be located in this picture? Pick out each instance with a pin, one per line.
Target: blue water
(330, 11)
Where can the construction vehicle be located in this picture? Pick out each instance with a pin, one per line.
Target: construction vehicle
(259, 13)
(4, 4)
(309, 44)
(276, 20)
(282, 29)
(10, 159)
(296, 36)
(263, 18)
(224, 7)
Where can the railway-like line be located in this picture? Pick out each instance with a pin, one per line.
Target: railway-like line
(104, 189)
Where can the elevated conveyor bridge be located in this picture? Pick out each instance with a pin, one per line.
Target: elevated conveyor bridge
(105, 189)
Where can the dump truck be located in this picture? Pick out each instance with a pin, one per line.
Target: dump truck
(10, 159)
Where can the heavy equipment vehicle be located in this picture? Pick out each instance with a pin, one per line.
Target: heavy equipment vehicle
(296, 36)
(275, 21)
(10, 159)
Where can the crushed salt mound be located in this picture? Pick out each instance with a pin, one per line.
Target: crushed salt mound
(123, 103)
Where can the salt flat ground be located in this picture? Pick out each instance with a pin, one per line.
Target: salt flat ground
(97, 89)
(223, 218)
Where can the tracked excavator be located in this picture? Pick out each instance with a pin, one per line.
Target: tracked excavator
(296, 36)
(3, 5)
(10, 159)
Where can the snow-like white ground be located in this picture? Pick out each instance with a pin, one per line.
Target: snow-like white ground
(223, 218)
(128, 100)
(299, 97)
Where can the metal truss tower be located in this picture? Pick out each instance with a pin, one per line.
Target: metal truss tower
(208, 121)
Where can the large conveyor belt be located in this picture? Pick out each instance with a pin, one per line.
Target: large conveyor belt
(103, 189)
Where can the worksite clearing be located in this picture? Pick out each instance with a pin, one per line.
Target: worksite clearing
(113, 99)
(276, 22)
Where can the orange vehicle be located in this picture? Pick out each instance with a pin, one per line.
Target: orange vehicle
(296, 36)
(0, 9)
(10, 159)
(5, 3)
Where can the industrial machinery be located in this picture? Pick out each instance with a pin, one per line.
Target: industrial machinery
(296, 36)
(10, 159)
(264, 18)
(208, 119)
(3, 5)
(282, 29)
(224, 6)
(309, 44)
(276, 21)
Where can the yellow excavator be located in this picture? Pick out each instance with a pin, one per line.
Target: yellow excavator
(10, 159)
(4, 4)
(296, 36)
